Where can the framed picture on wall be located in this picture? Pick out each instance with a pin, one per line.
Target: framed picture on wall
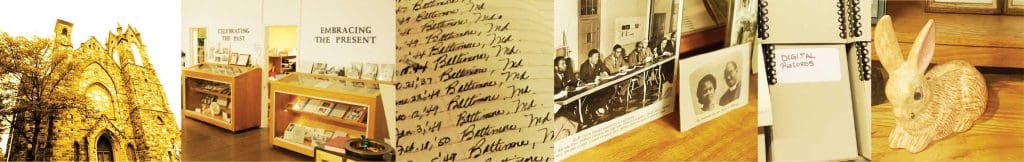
(964, 6)
(386, 72)
(355, 70)
(242, 59)
(232, 59)
(1014, 7)
(370, 71)
(318, 68)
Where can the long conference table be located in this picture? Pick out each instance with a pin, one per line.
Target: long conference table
(581, 93)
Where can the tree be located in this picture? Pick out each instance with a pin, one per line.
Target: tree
(37, 84)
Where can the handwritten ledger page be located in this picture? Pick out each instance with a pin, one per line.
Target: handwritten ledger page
(474, 80)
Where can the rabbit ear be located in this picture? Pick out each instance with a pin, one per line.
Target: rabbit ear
(924, 47)
(889, 52)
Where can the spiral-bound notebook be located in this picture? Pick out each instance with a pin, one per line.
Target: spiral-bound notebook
(860, 84)
(814, 21)
(812, 119)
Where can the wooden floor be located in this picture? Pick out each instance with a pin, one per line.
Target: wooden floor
(731, 137)
(998, 135)
(203, 142)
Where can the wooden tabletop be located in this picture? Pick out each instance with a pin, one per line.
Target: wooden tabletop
(982, 40)
(998, 135)
(731, 137)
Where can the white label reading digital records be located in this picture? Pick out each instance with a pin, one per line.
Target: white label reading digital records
(802, 65)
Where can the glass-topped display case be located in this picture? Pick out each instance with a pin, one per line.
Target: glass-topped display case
(309, 109)
(225, 96)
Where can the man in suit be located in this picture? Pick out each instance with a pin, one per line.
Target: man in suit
(564, 76)
(614, 61)
(641, 53)
(666, 47)
(593, 68)
(732, 91)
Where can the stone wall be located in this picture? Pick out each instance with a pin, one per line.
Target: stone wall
(140, 123)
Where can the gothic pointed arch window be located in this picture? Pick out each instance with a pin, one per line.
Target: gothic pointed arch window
(100, 99)
(134, 49)
(104, 149)
(116, 56)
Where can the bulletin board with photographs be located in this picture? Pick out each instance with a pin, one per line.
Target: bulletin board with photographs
(713, 84)
(309, 109)
(964, 6)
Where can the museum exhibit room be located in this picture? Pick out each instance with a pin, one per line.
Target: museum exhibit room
(284, 80)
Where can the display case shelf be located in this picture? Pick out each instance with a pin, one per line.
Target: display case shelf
(235, 107)
(328, 106)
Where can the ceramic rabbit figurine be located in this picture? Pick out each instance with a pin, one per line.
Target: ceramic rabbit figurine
(927, 106)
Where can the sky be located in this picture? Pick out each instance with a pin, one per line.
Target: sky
(157, 21)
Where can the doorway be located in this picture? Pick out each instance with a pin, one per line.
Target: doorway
(198, 44)
(104, 149)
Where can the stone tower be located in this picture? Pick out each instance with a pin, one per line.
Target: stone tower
(128, 117)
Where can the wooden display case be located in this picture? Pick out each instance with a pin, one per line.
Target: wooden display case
(210, 91)
(307, 109)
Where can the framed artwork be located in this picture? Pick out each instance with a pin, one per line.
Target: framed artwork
(319, 68)
(964, 6)
(232, 59)
(370, 71)
(742, 22)
(386, 72)
(713, 83)
(355, 70)
(242, 59)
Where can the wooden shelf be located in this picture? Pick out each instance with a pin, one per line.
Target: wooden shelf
(206, 118)
(982, 40)
(329, 118)
(297, 147)
(200, 90)
(244, 99)
(328, 88)
(702, 39)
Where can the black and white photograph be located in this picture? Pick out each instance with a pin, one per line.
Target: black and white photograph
(716, 86)
(713, 83)
(614, 59)
(743, 18)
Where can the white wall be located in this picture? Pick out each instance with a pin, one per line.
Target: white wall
(281, 12)
(567, 20)
(228, 14)
(342, 13)
(611, 10)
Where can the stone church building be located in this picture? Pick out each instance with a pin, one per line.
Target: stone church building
(128, 117)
